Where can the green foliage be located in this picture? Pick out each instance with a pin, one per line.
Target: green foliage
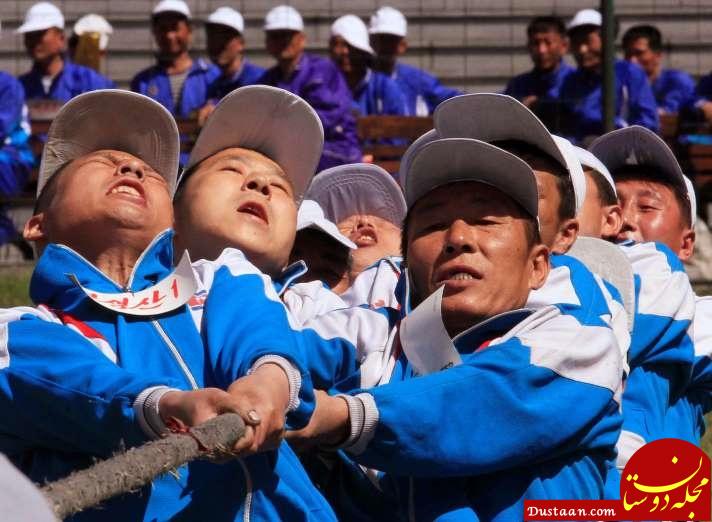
(14, 285)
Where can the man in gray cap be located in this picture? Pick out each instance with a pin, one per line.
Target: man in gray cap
(120, 344)
(473, 254)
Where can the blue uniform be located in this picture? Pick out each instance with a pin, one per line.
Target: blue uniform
(581, 96)
(674, 91)
(459, 470)
(423, 92)
(543, 85)
(16, 159)
(322, 86)
(72, 81)
(686, 417)
(103, 366)
(510, 368)
(376, 94)
(249, 74)
(154, 83)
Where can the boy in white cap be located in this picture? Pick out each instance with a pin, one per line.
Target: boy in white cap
(53, 76)
(317, 80)
(474, 254)
(177, 82)
(325, 250)
(129, 349)
(224, 30)
(90, 40)
(423, 92)
(659, 205)
(373, 92)
(581, 91)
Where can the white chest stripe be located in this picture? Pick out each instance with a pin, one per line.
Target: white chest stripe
(165, 296)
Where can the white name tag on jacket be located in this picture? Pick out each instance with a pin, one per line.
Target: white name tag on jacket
(424, 339)
(165, 296)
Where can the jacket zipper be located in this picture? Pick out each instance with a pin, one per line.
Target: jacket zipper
(186, 371)
(176, 354)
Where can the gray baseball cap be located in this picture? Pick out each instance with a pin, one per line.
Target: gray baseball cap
(638, 146)
(358, 188)
(450, 160)
(497, 117)
(112, 119)
(269, 120)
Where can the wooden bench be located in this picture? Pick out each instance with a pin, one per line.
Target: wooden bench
(375, 129)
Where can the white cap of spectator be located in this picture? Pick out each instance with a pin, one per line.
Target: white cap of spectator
(585, 17)
(311, 215)
(498, 117)
(693, 199)
(139, 125)
(41, 16)
(94, 23)
(587, 159)
(229, 17)
(352, 29)
(388, 20)
(271, 121)
(358, 188)
(284, 18)
(171, 6)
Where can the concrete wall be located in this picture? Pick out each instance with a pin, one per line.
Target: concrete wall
(475, 45)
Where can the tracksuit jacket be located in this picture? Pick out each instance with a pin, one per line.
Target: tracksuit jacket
(674, 91)
(376, 94)
(661, 353)
(77, 380)
(423, 91)
(72, 81)
(463, 443)
(249, 74)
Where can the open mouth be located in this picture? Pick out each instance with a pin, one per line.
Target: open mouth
(457, 275)
(254, 209)
(129, 189)
(365, 236)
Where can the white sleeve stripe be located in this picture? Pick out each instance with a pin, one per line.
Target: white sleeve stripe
(4, 350)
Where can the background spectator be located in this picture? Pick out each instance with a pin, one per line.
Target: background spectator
(582, 94)
(316, 80)
(53, 76)
(89, 41)
(423, 92)
(674, 90)
(373, 92)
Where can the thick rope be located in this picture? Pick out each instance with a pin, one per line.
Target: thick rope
(137, 467)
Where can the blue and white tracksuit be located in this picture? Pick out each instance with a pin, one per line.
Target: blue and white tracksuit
(76, 380)
(685, 419)
(661, 352)
(529, 413)
(439, 427)
(73, 80)
(375, 287)
(423, 91)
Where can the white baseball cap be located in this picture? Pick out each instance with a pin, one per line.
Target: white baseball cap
(585, 17)
(358, 188)
(352, 29)
(311, 215)
(389, 21)
(229, 17)
(587, 159)
(284, 17)
(41, 16)
(693, 200)
(112, 119)
(94, 23)
(497, 117)
(450, 160)
(172, 6)
(269, 120)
